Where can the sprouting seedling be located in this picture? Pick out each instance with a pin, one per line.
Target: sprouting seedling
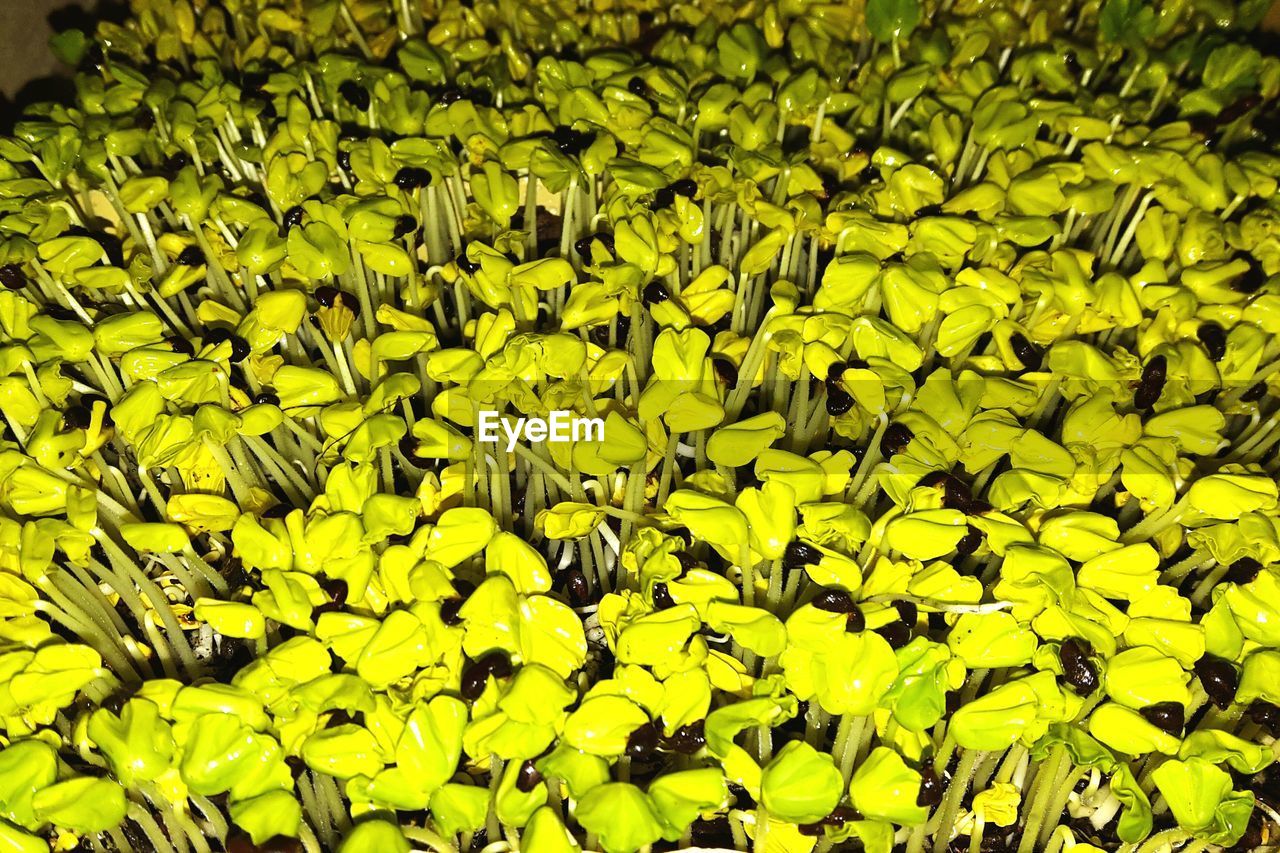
(892, 22)
(1126, 22)
(956, 395)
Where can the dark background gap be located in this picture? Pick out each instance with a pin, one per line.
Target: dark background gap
(29, 73)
